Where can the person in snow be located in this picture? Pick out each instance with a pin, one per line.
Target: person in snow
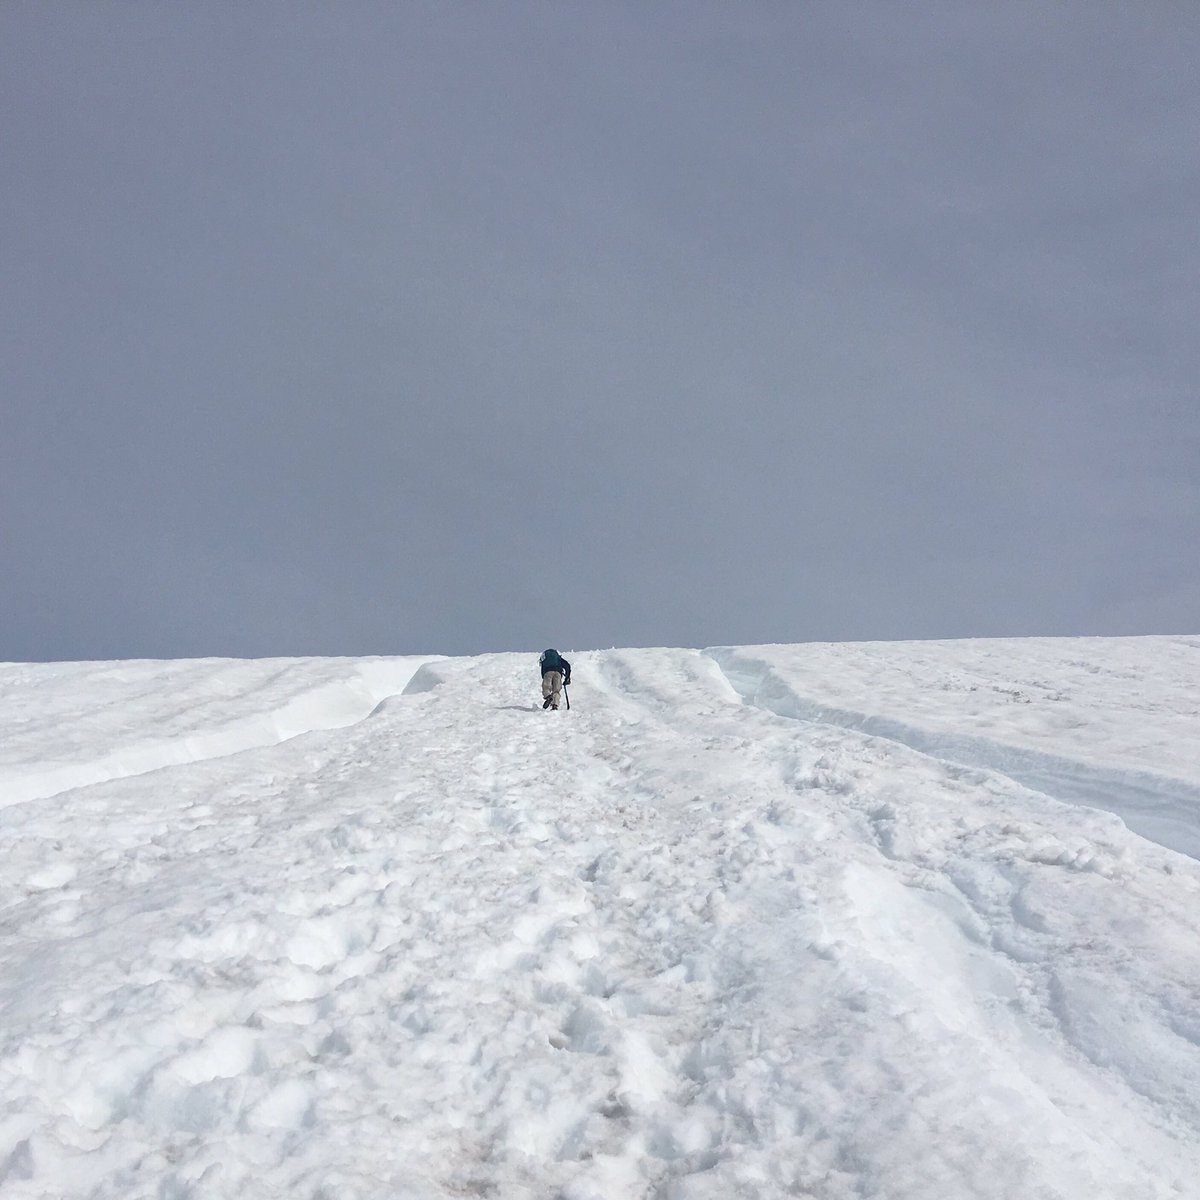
(556, 672)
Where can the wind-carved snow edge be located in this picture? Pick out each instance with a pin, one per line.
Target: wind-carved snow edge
(334, 705)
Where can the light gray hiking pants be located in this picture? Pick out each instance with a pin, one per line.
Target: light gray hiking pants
(552, 687)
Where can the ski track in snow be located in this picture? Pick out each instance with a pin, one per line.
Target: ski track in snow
(673, 944)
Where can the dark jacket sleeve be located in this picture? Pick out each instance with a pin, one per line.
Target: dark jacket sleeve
(566, 670)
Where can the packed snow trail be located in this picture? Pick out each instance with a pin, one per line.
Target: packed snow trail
(670, 944)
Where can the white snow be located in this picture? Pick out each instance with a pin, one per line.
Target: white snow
(907, 921)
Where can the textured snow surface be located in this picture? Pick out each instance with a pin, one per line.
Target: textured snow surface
(906, 921)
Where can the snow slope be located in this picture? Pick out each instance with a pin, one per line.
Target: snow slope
(900, 921)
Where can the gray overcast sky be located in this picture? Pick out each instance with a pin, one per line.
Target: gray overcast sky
(378, 328)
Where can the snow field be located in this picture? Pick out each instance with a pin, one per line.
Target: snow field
(674, 943)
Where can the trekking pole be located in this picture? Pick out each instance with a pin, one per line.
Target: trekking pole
(566, 697)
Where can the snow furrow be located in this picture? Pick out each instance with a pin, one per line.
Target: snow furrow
(1163, 809)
